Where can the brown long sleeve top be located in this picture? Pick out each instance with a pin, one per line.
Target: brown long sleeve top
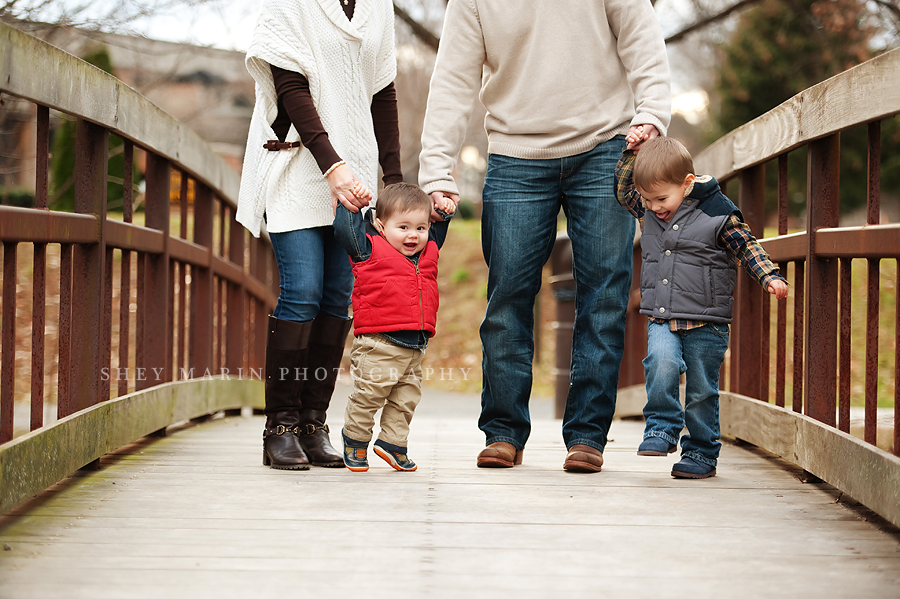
(295, 106)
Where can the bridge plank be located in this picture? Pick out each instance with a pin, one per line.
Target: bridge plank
(195, 514)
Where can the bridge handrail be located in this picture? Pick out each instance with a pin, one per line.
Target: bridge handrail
(864, 93)
(200, 326)
(68, 84)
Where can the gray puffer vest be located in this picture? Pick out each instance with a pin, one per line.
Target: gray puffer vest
(684, 272)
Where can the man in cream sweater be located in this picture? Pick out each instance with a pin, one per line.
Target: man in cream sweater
(563, 81)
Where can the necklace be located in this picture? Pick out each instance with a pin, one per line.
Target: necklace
(346, 2)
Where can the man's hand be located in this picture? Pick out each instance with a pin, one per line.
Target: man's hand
(447, 202)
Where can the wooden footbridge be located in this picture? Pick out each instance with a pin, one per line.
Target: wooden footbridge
(147, 481)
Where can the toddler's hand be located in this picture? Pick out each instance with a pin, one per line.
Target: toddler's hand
(362, 192)
(778, 288)
(446, 205)
(634, 137)
(638, 134)
(442, 201)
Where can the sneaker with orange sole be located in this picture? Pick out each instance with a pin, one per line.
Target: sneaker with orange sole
(394, 455)
(355, 454)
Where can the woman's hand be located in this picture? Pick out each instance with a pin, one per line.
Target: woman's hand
(346, 189)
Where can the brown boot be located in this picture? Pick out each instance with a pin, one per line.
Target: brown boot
(286, 352)
(315, 440)
(499, 455)
(326, 348)
(583, 458)
(281, 442)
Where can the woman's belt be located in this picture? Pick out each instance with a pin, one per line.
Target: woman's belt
(273, 145)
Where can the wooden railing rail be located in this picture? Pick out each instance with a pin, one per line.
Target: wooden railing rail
(192, 287)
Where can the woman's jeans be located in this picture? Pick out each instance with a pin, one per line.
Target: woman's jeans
(315, 274)
(521, 202)
(698, 353)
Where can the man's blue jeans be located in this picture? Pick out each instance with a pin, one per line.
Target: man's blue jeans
(521, 202)
(315, 274)
(698, 353)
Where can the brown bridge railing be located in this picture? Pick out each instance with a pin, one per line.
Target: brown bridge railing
(804, 382)
(157, 323)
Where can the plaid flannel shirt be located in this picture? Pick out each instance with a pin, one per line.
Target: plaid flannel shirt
(736, 238)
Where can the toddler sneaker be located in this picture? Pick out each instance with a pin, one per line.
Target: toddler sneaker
(688, 468)
(394, 455)
(655, 446)
(355, 458)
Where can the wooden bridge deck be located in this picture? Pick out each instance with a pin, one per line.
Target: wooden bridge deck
(196, 515)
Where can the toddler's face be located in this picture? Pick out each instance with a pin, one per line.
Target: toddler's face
(407, 232)
(663, 199)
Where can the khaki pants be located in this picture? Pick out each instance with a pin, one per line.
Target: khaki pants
(384, 376)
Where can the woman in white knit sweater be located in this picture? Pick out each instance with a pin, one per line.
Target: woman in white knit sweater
(325, 118)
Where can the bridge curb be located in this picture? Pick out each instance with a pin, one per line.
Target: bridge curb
(35, 461)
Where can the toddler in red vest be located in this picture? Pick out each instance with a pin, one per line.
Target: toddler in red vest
(395, 303)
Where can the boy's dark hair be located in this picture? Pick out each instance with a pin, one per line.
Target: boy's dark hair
(662, 160)
(399, 198)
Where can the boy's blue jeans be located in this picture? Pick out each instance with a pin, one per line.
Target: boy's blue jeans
(314, 272)
(698, 353)
(521, 201)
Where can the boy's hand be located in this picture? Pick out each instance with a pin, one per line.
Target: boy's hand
(443, 201)
(638, 134)
(778, 288)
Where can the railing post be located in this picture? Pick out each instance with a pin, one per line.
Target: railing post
(632, 370)
(202, 308)
(155, 303)
(8, 359)
(748, 313)
(39, 296)
(234, 345)
(820, 365)
(258, 265)
(562, 282)
(90, 330)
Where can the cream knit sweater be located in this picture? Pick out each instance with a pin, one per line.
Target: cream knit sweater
(557, 77)
(346, 63)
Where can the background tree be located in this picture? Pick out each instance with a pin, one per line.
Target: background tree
(62, 160)
(780, 48)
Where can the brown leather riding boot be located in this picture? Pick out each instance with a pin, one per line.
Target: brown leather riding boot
(326, 348)
(315, 440)
(281, 442)
(286, 352)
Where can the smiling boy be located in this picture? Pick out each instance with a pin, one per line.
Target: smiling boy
(395, 303)
(691, 240)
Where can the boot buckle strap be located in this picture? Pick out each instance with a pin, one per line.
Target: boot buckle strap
(281, 430)
(311, 428)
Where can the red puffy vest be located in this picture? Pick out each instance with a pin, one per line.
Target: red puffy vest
(392, 293)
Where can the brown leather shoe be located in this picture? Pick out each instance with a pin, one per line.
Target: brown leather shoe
(583, 458)
(499, 455)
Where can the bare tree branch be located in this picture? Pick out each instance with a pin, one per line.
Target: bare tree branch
(710, 20)
(419, 30)
(894, 8)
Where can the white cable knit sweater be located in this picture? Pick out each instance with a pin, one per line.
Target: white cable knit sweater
(346, 63)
